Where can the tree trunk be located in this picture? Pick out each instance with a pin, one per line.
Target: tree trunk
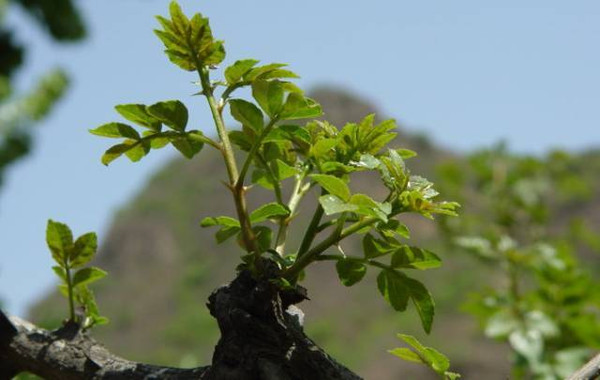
(261, 338)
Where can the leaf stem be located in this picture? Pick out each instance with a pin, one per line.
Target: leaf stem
(371, 262)
(229, 157)
(297, 194)
(240, 179)
(70, 293)
(311, 231)
(335, 237)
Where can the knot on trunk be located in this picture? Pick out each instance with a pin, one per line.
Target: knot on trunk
(262, 335)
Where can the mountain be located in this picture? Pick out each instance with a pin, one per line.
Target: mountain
(162, 267)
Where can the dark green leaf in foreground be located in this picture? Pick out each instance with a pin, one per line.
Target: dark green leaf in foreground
(397, 288)
(172, 113)
(187, 145)
(350, 271)
(247, 114)
(137, 113)
(415, 257)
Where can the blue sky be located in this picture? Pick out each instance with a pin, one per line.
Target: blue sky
(466, 72)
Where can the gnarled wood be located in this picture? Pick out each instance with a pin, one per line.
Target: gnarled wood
(68, 353)
(261, 338)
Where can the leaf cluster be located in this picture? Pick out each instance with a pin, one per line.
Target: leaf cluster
(430, 357)
(171, 114)
(72, 256)
(280, 140)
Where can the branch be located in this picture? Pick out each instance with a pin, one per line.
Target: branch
(591, 370)
(68, 353)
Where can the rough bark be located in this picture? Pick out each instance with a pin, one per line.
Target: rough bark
(261, 338)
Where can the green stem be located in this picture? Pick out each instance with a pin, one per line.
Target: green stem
(304, 260)
(311, 231)
(70, 293)
(370, 262)
(206, 140)
(240, 180)
(297, 194)
(274, 181)
(227, 150)
(229, 157)
(232, 88)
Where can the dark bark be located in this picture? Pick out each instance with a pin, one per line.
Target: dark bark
(261, 338)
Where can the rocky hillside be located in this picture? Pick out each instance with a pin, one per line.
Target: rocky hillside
(163, 266)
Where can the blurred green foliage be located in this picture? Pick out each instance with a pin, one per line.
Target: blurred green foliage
(20, 111)
(543, 302)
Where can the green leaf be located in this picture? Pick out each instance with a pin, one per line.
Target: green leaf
(137, 149)
(225, 221)
(187, 145)
(116, 130)
(158, 140)
(406, 354)
(367, 161)
(299, 107)
(423, 301)
(397, 288)
(259, 72)
(247, 114)
(64, 290)
(172, 41)
(415, 257)
(181, 24)
(87, 276)
(268, 211)
(263, 237)
(84, 249)
(235, 72)
(138, 114)
(229, 226)
(369, 207)
(60, 272)
(280, 74)
(334, 205)
(392, 288)
(281, 170)
(172, 113)
(406, 153)
(60, 241)
(427, 355)
(350, 271)
(393, 227)
(322, 148)
(116, 151)
(226, 233)
(184, 61)
(269, 95)
(373, 247)
(333, 185)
